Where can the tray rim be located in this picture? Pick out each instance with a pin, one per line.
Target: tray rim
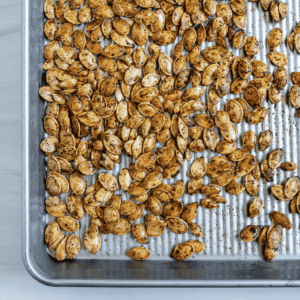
(31, 266)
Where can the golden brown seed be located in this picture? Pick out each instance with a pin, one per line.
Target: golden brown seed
(252, 47)
(270, 253)
(255, 207)
(291, 187)
(75, 206)
(139, 253)
(275, 38)
(296, 77)
(281, 219)
(198, 168)
(252, 185)
(257, 115)
(275, 158)
(249, 140)
(92, 239)
(155, 227)
(209, 203)
(275, 95)
(293, 206)
(225, 147)
(265, 140)
(139, 233)
(266, 171)
(278, 59)
(288, 166)
(210, 189)
(67, 223)
(173, 209)
(263, 236)
(120, 228)
(177, 225)
(190, 212)
(217, 198)
(234, 111)
(194, 185)
(239, 39)
(183, 251)
(250, 233)
(274, 236)
(295, 96)
(127, 208)
(196, 229)
(73, 245)
(154, 206)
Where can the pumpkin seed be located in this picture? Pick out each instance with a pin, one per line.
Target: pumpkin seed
(217, 198)
(55, 207)
(198, 168)
(225, 147)
(209, 203)
(255, 207)
(270, 253)
(196, 229)
(250, 233)
(252, 47)
(263, 236)
(139, 253)
(139, 233)
(291, 187)
(77, 183)
(190, 212)
(257, 115)
(75, 206)
(252, 185)
(230, 135)
(295, 96)
(234, 111)
(92, 239)
(275, 158)
(183, 250)
(265, 140)
(154, 206)
(67, 223)
(199, 246)
(177, 225)
(288, 166)
(122, 227)
(73, 245)
(274, 237)
(53, 235)
(127, 208)
(210, 189)
(278, 59)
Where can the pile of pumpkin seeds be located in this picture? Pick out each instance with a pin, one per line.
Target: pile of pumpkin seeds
(106, 101)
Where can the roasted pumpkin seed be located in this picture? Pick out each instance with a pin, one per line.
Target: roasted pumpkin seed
(250, 233)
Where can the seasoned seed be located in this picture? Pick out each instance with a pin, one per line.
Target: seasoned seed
(281, 219)
(250, 233)
(255, 207)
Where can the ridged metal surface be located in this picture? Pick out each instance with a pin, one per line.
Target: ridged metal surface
(222, 226)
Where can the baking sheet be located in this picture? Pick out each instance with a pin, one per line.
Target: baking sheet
(223, 225)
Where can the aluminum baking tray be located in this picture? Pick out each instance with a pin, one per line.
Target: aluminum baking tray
(227, 261)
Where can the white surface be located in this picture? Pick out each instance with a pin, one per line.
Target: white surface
(14, 280)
